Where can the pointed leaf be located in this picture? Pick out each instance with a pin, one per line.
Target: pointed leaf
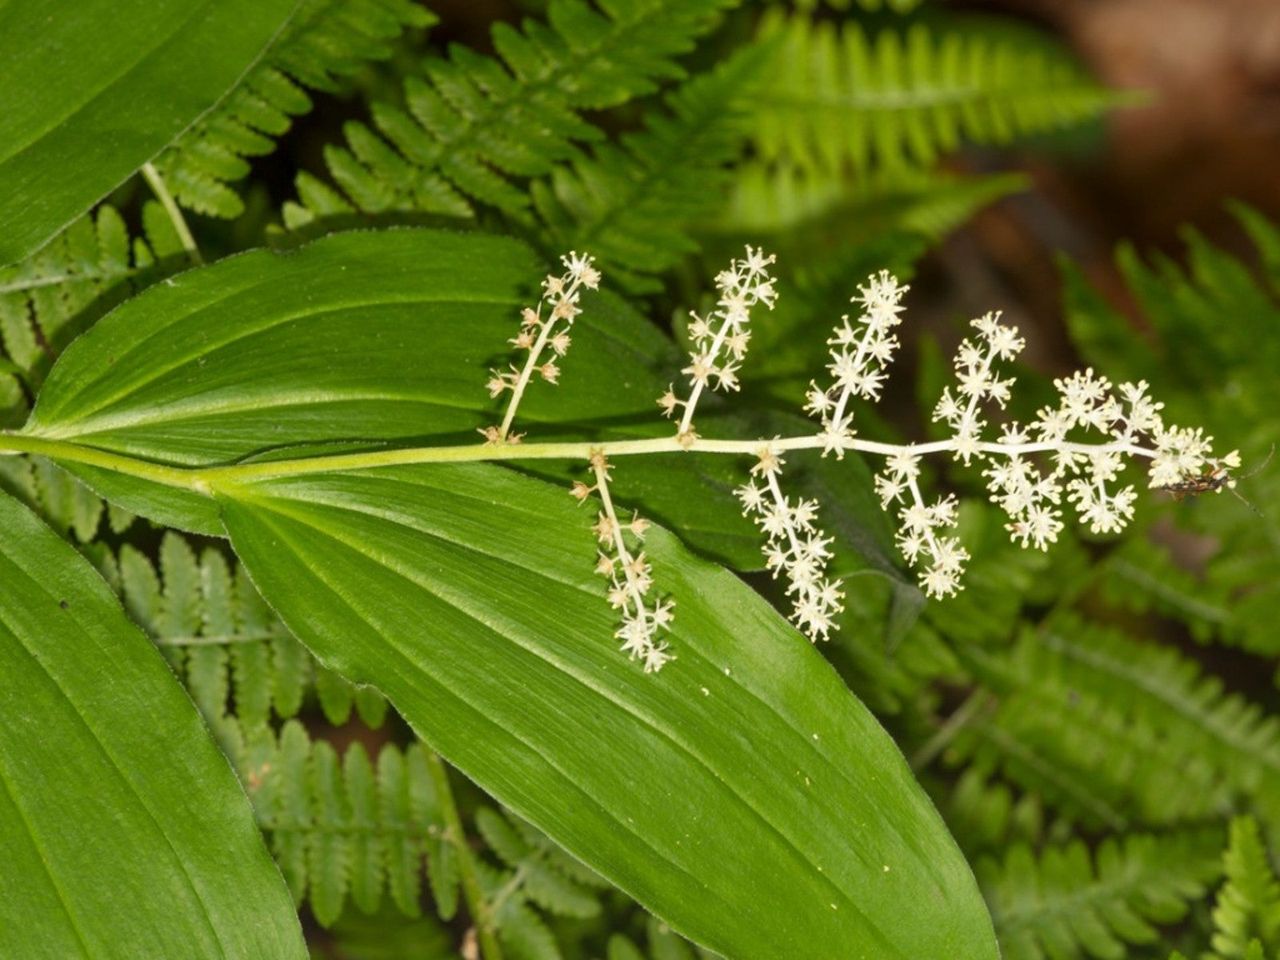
(96, 88)
(123, 832)
(742, 793)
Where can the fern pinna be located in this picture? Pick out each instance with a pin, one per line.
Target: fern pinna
(1228, 369)
(324, 44)
(218, 634)
(475, 122)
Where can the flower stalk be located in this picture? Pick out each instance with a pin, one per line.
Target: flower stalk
(1033, 471)
(560, 296)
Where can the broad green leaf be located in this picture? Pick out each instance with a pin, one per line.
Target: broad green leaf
(362, 340)
(742, 793)
(123, 832)
(93, 89)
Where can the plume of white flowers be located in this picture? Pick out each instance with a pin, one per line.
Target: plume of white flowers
(976, 382)
(1071, 454)
(720, 339)
(794, 546)
(537, 333)
(629, 574)
(860, 353)
(940, 558)
(1080, 473)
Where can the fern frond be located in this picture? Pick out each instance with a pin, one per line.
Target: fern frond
(536, 882)
(540, 871)
(1142, 576)
(1065, 903)
(1247, 910)
(662, 943)
(56, 294)
(986, 814)
(386, 935)
(225, 643)
(340, 827)
(60, 499)
(842, 100)
(779, 198)
(1111, 730)
(324, 42)
(476, 124)
(632, 203)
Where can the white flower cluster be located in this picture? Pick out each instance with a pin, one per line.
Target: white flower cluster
(1088, 474)
(860, 352)
(976, 382)
(1033, 471)
(720, 339)
(560, 294)
(794, 546)
(1082, 474)
(630, 575)
(941, 558)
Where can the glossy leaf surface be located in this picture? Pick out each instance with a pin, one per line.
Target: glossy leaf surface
(123, 831)
(742, 793)
(96, 88)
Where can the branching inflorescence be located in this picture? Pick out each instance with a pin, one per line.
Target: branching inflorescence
(1033, 471)
(560, 299)
(720, 339)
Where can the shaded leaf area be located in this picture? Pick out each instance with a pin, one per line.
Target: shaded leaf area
(134, 801)
(63, 502)
(232, 652)
(1066, 901)
(346, 826)
(738, 774)
(1114, 730)
(633, 203)
(126, 80)
(53, 296)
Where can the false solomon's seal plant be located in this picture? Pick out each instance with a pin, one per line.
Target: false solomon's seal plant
(242, 495)
(313, 407)
(1034, 471)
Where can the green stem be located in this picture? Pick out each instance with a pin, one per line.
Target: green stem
(158, 187)
(205, 480)
(455, 834)
(68, 452)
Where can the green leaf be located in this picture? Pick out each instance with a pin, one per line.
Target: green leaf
(752, 781)
(95, 89)
(123, 832)
(365, 337)
(370, 338)
(743, 794)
